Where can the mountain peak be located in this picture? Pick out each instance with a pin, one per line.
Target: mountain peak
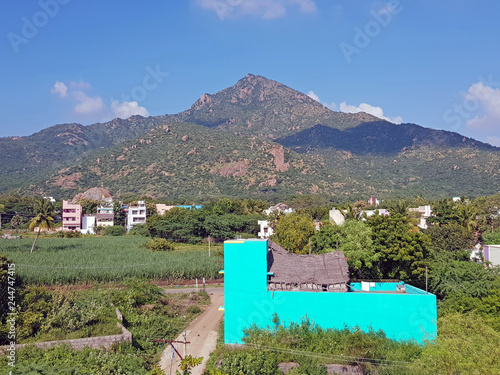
(260, 107)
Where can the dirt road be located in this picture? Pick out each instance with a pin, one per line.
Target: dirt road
(201, 333)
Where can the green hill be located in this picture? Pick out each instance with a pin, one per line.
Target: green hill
(228, 150)
(187, 160)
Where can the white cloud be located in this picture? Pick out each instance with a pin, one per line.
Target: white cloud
(487, 101)
(126, 109)
(313, 96)
(266, 9)
(60, 89)
(87, 104)
(80, 85)
(365, 107)
(89, 107)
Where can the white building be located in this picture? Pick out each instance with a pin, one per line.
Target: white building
(136, 214)
(280, 207)
(336, 216)
(88, 224)
(265, 230)
(425, 212)
(368, 213)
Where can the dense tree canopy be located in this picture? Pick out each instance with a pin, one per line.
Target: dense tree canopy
(403, 252)
(293, 232)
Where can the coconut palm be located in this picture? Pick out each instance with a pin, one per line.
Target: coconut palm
(467, 217)
(43, 219)
(350, 212)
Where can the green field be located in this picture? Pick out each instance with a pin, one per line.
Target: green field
(103, 259)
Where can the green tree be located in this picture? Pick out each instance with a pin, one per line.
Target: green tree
(350, 212)
(451, 239)
(15, 222)
(466, 344)
(354, 238)
(397, 207)
(119, 214)
(4, 273)
(444, 212)
(402, 252)
(467, 216)
(2, 208)
(176, 224)
(492, 238)
(43, 219)
(293, 232)
(327, 239)
(89, 206)
(356, 243)
(460, 277)
(187, 363)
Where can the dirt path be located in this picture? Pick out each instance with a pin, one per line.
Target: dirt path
(201, 333)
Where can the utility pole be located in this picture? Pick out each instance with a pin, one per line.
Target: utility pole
(185, 344)
(208, 245)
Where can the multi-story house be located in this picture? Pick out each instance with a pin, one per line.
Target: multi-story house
(136, 214)
(105, 216)
(71, 216)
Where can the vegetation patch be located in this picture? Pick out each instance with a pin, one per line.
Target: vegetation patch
(148, 314)
(105, 259)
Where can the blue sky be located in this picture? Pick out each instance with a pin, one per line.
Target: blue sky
(434, 63)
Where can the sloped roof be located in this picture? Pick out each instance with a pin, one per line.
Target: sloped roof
(329, 268)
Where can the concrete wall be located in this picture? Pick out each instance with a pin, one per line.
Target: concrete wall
(402, 316)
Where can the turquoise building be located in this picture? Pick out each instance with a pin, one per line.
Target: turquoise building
(260, 280)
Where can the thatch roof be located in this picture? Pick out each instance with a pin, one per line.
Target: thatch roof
(329, 268)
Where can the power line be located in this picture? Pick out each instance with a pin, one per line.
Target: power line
(347, 359)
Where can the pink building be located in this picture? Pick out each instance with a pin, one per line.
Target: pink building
(71, 216)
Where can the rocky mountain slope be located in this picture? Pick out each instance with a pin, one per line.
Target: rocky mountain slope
(228, 149)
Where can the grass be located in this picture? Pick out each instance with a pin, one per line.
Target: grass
(62, 314)
(105, 259)
(148, 314)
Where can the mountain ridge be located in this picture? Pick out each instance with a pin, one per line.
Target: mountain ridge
(350, 153)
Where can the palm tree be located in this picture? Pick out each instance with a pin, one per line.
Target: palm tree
(467, 217)
(350, 212)
(43, 219)
(400, 207)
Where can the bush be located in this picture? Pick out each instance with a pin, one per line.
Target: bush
(68, 234)
(139, 230)
(115, 230)
(159, 244)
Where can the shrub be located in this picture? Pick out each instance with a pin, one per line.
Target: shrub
(72, 234)
(115, 230)
(139, 230)
(159, 244)
(194, 240)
